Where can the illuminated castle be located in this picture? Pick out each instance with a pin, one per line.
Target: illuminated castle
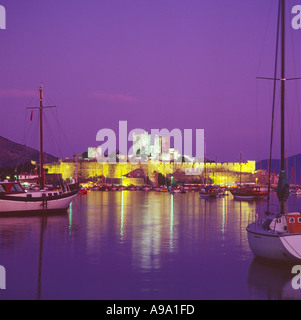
(81, 169)
(149, 161)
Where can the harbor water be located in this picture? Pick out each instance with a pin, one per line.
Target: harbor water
(137, 245)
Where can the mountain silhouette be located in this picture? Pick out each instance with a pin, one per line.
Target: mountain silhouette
(13, 154)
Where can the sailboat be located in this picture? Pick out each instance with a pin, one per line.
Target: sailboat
(14, 199)
(210, 192)
(247, 192)
(278, 236)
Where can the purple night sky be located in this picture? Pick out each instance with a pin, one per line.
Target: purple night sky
(187, 64)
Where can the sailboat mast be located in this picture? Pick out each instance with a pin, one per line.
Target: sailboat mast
(283, 185)
(42, 179)
(240, 169)
(282, 85)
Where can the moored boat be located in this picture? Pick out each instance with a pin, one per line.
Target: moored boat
(15, 199)
(295, 191)
(132, 188)
(83, 191)
(94, 188)
(163, 189)
(156, 188)
(248, 193)
(210, 192)
(278, 236)
(146, 188)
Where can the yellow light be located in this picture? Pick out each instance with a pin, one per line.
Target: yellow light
(219, 172)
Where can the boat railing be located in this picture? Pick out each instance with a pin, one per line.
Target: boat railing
(262, 218)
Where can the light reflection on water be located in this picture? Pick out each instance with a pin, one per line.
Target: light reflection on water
(140, 245)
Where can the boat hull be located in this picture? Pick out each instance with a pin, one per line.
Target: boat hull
(271, 246)
(209, 196)
(248, 196)
(10, 204)
(237, 197)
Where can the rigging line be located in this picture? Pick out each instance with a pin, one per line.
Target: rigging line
(25, 134)
(278, 79)
(25, 125)
(273, 105)
(23, 160)
(56, 138)
(32, 124)
(256, 117)
(58, 142)
(34, 135)
(290, 134)
(296, 87)
(289, 79)
(60, 128)
(57, 146)
(265, 36)
(52, 141)
(298, 110)
(48, 145)
(48, 99)
(55, 116)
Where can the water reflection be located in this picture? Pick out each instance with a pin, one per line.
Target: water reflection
(22, 248)
(40, 263)
(224, 226)
(271, 281)
(147, 233)
(121, 218)
(154, 224)
(70, 218)
(140, 245)
(171, 222)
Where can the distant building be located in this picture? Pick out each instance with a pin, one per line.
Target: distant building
(141, 144)
(93, 153)
(156, 147)
(218, 173)
(53, 179)
(29, 177)
(165, 145)
(153, 154)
